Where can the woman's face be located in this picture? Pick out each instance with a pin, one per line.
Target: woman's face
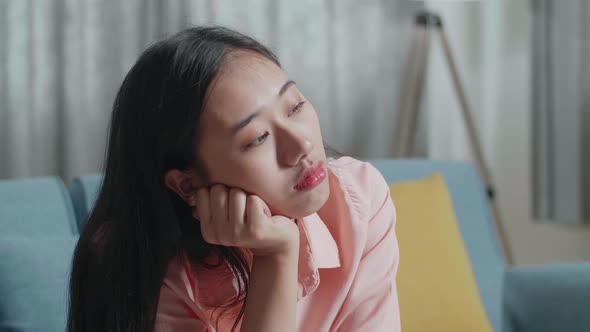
(259, 133)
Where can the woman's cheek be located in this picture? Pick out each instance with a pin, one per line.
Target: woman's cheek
(253, 179)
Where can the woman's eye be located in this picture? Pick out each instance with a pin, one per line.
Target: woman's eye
(297, 108)
(259, 140)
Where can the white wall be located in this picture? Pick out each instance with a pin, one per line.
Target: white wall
(491, 43)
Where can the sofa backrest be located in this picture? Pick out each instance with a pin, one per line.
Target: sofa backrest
(84, 191)
(36, 206)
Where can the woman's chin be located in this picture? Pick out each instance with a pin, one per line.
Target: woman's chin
(312, 203)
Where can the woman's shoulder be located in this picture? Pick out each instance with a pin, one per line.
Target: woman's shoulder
(362, 182)
(351, 166)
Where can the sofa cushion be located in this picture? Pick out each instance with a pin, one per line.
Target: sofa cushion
(34, 276)
(436, 286)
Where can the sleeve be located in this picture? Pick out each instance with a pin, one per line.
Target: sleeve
(177, 312)
(372, 303)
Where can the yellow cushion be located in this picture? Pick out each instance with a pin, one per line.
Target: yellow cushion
(436, 287)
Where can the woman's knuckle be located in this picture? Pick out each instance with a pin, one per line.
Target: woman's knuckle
(256, 233)
(201, 192)
(218, 189)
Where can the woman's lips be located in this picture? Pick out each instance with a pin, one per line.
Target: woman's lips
(312, 176)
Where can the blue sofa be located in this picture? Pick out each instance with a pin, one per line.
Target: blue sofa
(40, 220)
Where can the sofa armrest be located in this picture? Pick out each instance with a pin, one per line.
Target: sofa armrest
(547, 298)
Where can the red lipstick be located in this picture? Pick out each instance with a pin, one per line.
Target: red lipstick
(312, 176)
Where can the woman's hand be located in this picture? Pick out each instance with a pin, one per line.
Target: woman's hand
(231, 217)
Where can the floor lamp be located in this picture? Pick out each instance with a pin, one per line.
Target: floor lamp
(410, 105)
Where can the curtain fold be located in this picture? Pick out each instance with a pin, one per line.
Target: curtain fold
(561, 110)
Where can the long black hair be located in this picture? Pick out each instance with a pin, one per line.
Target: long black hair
(138, 225)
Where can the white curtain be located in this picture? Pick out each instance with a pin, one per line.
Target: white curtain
(62, 61)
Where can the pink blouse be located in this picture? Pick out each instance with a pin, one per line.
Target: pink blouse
(348, 262)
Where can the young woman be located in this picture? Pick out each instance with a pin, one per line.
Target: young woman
(220, 211)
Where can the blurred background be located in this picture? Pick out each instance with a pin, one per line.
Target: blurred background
(524, 65)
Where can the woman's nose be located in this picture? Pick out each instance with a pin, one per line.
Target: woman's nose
(293, 147)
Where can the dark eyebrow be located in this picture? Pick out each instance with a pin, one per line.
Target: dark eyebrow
(243, 123)
(285, 87)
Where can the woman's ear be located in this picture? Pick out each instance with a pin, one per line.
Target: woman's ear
(184, 183)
